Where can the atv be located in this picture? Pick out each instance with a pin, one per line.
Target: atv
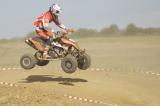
(65, 49)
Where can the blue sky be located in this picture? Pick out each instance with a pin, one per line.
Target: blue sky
(17, 16)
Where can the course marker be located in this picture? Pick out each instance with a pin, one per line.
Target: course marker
(8, 84)
(88, 100)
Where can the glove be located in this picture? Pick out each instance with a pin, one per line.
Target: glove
(58, 34)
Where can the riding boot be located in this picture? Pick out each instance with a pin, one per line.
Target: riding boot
(45, 53)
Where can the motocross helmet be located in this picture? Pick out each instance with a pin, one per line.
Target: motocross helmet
(55, 9)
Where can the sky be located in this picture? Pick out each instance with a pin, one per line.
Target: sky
(17, 16)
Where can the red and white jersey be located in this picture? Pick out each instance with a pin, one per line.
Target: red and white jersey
(46, 18)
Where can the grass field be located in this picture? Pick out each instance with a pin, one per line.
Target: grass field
(138, 52)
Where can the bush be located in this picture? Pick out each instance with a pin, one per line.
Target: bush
(113, 29)
(81, 33)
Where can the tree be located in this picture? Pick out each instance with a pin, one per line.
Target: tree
(83, 32)
(131, 29)
(113, 29)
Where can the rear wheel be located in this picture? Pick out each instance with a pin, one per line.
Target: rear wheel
(84, 62)
(69, 64)
(28, 61)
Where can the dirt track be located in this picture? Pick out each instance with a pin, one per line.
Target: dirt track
(130, 77)
(48, 87)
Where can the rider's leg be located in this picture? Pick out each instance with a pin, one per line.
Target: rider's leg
(45, 36)
(45, 42)
(41, 33)
(45, 52)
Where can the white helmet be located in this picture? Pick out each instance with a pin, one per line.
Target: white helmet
(55, 9)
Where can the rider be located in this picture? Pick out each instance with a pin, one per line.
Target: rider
(43, 29)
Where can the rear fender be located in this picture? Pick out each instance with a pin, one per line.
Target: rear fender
(35, 44)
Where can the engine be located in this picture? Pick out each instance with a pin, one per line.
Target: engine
(56, 52)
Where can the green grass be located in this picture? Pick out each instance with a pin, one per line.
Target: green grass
(117, 52)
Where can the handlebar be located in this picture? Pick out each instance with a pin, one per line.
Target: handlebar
(62, 33)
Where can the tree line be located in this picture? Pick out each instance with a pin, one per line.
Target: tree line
(113, 29)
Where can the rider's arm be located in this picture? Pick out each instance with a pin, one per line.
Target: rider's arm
(59, 24)
(63, 27)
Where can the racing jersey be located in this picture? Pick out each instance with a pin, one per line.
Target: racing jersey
(46, 18)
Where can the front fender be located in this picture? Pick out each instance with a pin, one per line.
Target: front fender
(70, 42)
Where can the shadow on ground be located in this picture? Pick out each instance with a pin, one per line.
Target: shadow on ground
(46, 78)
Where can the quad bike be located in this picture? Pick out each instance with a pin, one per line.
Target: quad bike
(64, 48)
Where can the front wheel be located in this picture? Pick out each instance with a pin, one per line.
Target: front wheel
(84, 62)
(69, 64)
(28, 61)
